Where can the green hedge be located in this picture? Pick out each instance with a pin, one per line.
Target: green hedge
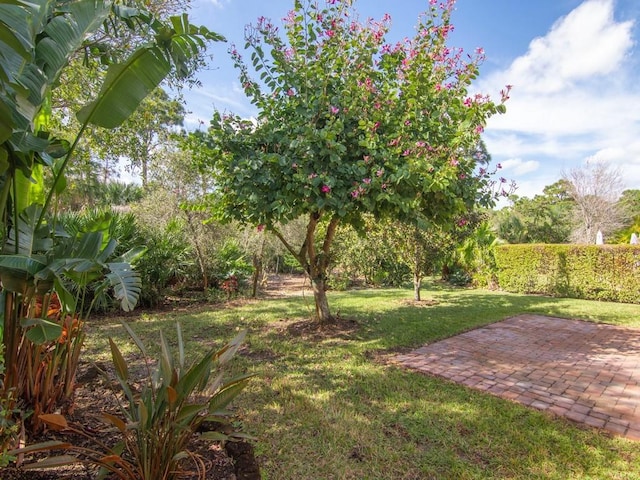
(595, 272)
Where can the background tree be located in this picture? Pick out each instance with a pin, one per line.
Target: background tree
(545, 218)
(629, 204)
(595, 190)
(422, 247)
(141, 140)
(347, 125)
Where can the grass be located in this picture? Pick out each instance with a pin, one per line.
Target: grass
(322, 407)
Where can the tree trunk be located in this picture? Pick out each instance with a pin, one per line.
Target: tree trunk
(323, 314)
(417, 283)
(257, 269)
(417, 271)
(257, 273)
(199, 254)
(316, 263)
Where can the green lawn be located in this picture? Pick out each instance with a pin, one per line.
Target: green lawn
(327, 406)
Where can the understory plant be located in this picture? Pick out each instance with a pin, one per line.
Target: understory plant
(39, 262)
(49, 288)
(157, 423)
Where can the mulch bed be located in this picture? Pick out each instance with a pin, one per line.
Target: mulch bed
(234, 461)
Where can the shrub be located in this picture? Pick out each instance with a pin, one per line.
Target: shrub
(595, 272)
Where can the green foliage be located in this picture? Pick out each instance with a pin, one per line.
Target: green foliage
(629, 204)
(168, 260)
(544, 219)
(8, 427)
(175, 401)
(476, 257)
(230, 261)
(370, 257)
(598, 272)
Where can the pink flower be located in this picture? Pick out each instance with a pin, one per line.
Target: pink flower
(294, 165)
(355, 194)
(290, 92)
(312, 175)
(260, 227)
(479, 129)
(366, 158)
(329, 33)
(462, 176)
(376, 126)
(468, 102)
(462, 222)
(454, 162)
(334, 110)
(366, 180)
(325, 189)
(406, 153)
(379, 173)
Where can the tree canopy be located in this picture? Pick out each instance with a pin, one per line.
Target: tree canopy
(349, 124)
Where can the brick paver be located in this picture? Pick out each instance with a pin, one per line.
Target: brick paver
(583, 371)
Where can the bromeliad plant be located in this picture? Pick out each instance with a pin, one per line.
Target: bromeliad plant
(38, 260)
(157, 423)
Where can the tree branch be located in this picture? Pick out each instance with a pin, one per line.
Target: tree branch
(328, 239)
(298, 256)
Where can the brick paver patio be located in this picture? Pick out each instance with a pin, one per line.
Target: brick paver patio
(587, 372)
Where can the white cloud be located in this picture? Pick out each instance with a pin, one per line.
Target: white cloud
(203, 101)
(573, 97)
(218, 3)
(519, 166)
(585, 43)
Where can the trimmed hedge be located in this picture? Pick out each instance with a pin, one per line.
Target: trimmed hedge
(594, 272)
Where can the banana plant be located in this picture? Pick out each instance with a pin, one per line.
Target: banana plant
(50, 287)
(37, 40)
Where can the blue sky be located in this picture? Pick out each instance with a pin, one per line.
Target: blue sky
(574, 66)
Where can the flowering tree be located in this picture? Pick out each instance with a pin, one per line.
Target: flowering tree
(349, 124)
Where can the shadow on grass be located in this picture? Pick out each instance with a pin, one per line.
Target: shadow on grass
(373, 419)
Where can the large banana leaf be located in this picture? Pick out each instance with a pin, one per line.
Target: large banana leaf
(72, 23)
(16, 40)
(126, 284)
(125, 86)
(41, 36)
(27, 264)
(26, 238)
(185, 41)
